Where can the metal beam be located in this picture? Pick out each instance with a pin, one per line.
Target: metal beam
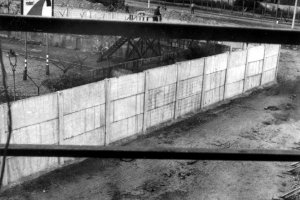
(151, 153)
(149, 29)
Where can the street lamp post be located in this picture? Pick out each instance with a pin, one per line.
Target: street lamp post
(13, 63)
(295, 13)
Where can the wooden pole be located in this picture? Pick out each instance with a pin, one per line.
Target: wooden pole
(25, 63)
(47, 55)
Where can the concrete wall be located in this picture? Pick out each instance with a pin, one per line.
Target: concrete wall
(126, 106)
(35, 121)
(108, 111)
(235, 74)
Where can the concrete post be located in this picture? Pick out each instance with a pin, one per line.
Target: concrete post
(60, 103)
(246, 67)
(263, 65)
(176, 92)
(226, 71)
(203, 84)
(107, 112)
(146, 100)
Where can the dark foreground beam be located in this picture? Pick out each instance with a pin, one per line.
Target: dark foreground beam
(150, 29)
(151, 153)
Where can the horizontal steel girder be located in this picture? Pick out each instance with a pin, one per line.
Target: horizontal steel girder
(149, 29)
(151, 153)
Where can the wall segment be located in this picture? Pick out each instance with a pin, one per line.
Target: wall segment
(117, 108)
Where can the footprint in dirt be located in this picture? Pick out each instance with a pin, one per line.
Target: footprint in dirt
(272, 108)
(281, 117)
(173, 195)
(269, 121)
(281, 113)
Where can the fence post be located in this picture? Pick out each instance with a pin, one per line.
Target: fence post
(226, 71)
(60, 137)
(263, 65)
(176, 92)
(107, 112)
(203, 84)
(246, 67)
(146, 100)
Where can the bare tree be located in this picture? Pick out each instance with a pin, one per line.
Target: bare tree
(66, 66)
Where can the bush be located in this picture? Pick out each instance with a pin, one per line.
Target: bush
(3, 96)
(64, 82)
(204, 50)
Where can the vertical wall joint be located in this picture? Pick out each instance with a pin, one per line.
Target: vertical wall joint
(107, 112)
(146, 100)
(203, 83)
(176, 93)
(60, 122)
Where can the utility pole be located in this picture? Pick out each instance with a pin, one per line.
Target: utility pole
(295, 12)
(148, 3)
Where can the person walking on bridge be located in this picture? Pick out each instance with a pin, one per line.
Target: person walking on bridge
(127, 8)
(192, 8)
(157, 15)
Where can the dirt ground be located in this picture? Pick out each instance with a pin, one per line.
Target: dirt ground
(267, 119)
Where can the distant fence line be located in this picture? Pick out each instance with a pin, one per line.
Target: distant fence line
(111, 110)
(132, 66)
(142, 64)
(78, 42)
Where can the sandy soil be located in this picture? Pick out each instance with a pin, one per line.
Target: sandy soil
(243, 123)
